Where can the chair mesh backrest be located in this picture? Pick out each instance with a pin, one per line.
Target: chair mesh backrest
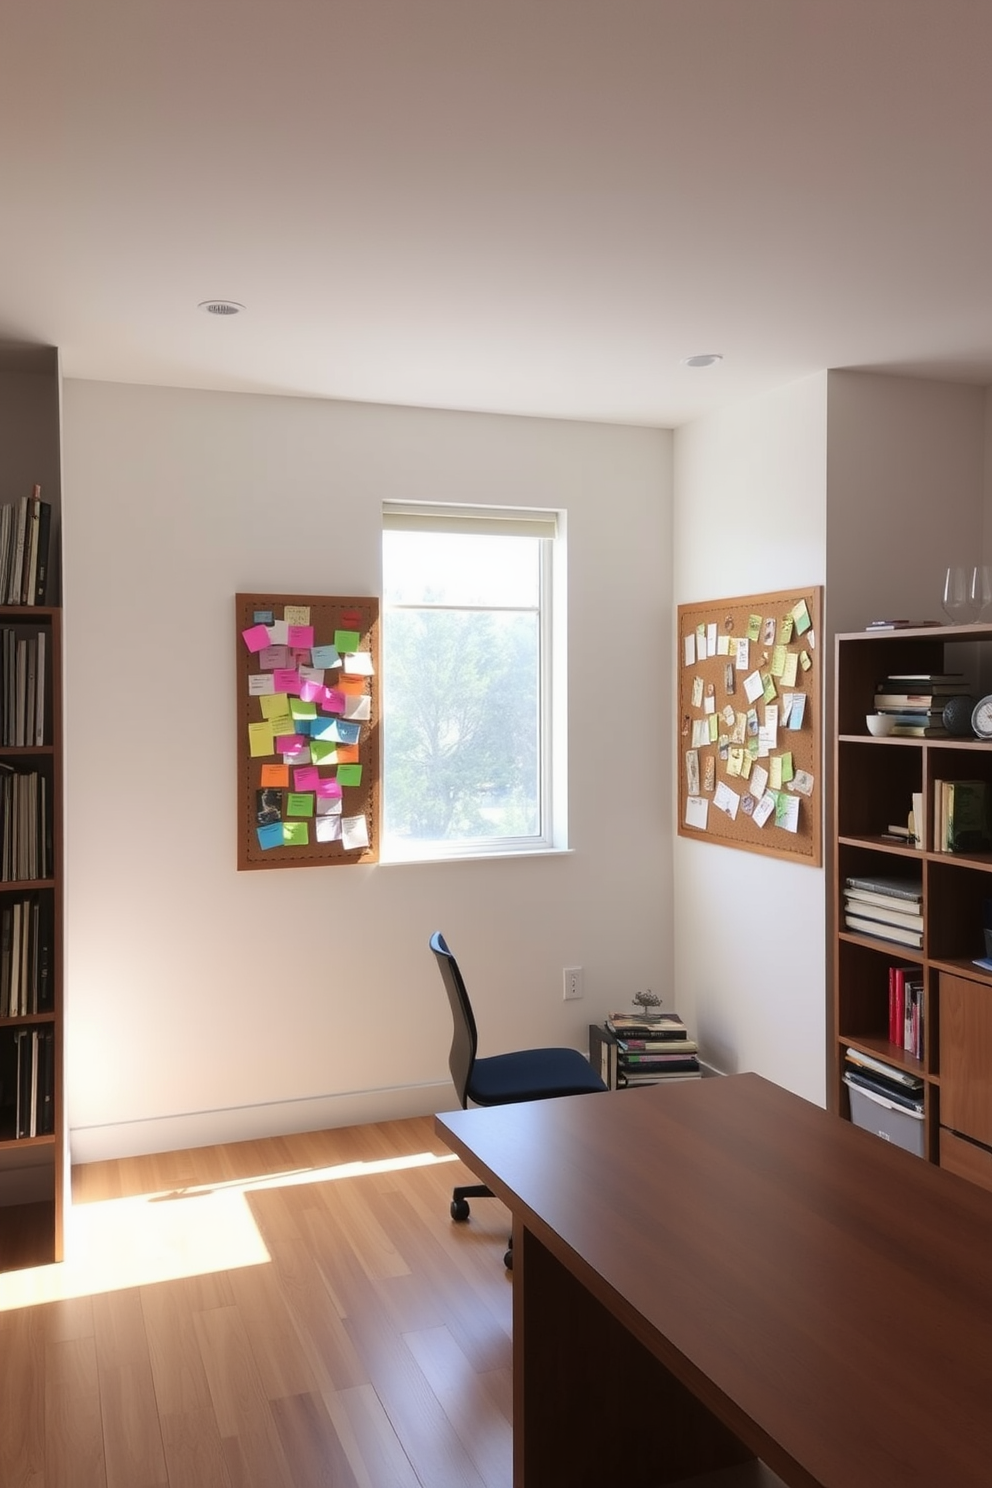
(464, 1039)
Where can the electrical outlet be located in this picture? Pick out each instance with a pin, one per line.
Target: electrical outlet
(573, 982)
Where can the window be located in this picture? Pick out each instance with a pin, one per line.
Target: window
(470, 695)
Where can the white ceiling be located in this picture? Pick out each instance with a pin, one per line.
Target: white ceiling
(519, 206)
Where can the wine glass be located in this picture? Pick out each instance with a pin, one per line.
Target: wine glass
(981, 590)
(958, 603)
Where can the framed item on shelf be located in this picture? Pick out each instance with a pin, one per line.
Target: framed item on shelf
(749, 748)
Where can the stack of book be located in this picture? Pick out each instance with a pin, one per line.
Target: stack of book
(906, 1009)
(915, 701)
(26, 956)
(652, 1050)
(25, 535)
(961, 816)
(885, 908)
(867, 1073)
(22, 687)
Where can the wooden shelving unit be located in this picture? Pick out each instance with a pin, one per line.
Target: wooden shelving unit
(874, 781)
(34, 1170)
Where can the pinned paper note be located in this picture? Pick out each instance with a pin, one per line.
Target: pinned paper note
(359, 664)
(260, 739)
(256, 638)
(727, 800)
(301, 637)
(346, 640)
(270, 835)
(354, 832)
(260, 683)
(723, 645)
(775, 772)
(797, 711)
(296, 614)
(328, 790)
(805, 660)
(803, 783)
(274, 656)
(305, 778)
(328, 828)
(325, 656)
(299, 803)
(696, 812)
(753, 687)
(759, 781)
(764, 809)
(700, 733)
(768, 631)
(692, 772)
(735, 760)
(778, 661)
(800, 615)
(753, 627)
(323, 752)
(711, 639)
(328, 805)
(350, 774)
(787, 812)
(742, 652)
(689, 649)
(287, 679)
(701, 648)
(299, 709)
(697, 692)
(276, 776)
(295, 834)
(769, 690)
(279, 633)
(789, 669)
(359, 708)
(785, 626)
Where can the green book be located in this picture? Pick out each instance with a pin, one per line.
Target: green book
(967, 816)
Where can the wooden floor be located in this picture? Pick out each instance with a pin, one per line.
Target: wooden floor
(294, 1313)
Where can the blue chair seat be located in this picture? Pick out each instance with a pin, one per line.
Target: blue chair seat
(531, 1074)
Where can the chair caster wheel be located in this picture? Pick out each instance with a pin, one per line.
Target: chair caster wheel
(459, 1209)
(508, 1260)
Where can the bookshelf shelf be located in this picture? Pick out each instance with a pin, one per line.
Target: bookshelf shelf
(875, 781)
(33, 1158)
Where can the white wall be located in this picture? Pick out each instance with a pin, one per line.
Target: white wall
(206, 1005)
(750, 516)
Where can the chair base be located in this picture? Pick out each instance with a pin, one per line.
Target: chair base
(460, 1197)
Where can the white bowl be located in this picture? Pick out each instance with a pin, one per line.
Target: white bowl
(879, 724)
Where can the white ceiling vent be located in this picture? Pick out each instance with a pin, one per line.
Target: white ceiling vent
(220, 307)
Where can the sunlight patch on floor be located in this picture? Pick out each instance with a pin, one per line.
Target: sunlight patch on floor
(149, 1238)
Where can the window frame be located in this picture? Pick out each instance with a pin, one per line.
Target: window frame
(549, 528)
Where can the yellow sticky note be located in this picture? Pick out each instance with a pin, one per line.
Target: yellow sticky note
(775, 772)
(276, 705)
(785, 626)
(778, 661)
(769, 690)
(753, 627)
(805, 660)
(296, 614)
(260, 739)
(282, 725)
(789, 669)
(735, 760)
(747, 761)
(714, 724)
(787, 770)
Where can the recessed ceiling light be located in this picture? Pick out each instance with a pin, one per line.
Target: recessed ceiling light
(220, 307)
(704, 359)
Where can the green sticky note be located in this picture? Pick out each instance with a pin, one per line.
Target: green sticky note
(299, 803)
(778, 661)
(295, 834)
(346, 640)
(300, 709)
(801, 616)
(753, 627)
(322, 752)
(349, 774)
(787, 768)
(770, 690)
(714, 727)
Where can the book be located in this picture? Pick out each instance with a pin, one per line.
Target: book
(922, 677)
(868, 1080)
(908, 919)
(880, 931)
(901, 1077)
(43, 567)
(635, 1025)
(888, 887)
(659, 1061)
(29, 577)
(933, 699)
(967, 816)
(681, 1045)
(917, 731)
(900, 624)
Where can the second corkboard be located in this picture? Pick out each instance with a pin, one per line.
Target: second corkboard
(749, 716)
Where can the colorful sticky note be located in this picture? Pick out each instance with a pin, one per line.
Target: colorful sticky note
(272, 657)
(289, 743)
(287, 679)
(346, 640)
(296, 614)
(310, 689)
(299, 803)
(270, 835)
(305, 778)
(301, 637)
(295, 834)
(276, 705)
(260, 683)
(279, 633)
(347, 754)
(802, 617)
(329, 790)
(298, 708)
(328, 805)
(358, 707)
(359, 664)
(275, 775)
(260, 739)
(328, 828)
(753, 627)
(350, 774)
(778, 661)
(325, 656)
(334, 701)
(347, 733)
(256, 638)
(323, 752)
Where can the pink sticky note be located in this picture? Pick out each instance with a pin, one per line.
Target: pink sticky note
(334, 701)
(290, 743)
(256, 637)
(287, 679)
(330, 790)
(306, 778)
(273, 656)
(301, 636)
(311, 691)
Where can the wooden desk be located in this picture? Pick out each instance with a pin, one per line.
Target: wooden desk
(719, 1270)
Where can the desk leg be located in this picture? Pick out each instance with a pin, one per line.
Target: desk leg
(591, 1405)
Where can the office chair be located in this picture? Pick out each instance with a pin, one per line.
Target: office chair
(500, 1079)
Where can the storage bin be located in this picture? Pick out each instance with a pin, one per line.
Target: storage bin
(891, 1122)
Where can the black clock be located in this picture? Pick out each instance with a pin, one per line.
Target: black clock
(958, 717)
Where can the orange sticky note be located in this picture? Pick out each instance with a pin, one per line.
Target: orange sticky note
(277, 775)
(347, 754)
(353, 686)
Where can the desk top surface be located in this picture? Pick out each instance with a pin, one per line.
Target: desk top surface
(829, 1295)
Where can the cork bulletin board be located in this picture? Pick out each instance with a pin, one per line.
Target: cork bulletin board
(749, 716)
(308, 730)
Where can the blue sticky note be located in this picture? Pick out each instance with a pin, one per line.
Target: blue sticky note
(271, 835)
(325, 656)
(348, 732)
(324, 728)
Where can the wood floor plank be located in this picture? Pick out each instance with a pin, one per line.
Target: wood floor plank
(370, 1442)
(74, 1452)
(316, 1318)
(194, 1451)
(22, 1400)
(132, 1437)
(311, 1443)
(178, 1374)
(282, 1366)
(487, 1438)
(244, 1419)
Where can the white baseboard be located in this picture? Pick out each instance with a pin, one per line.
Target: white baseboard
(248, 1123)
